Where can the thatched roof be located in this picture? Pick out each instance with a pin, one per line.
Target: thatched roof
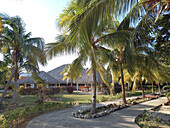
(84, 79)
(88, 79)
(47, 78)
(56, 74)
(27, 81)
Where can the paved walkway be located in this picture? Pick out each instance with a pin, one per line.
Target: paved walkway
(120, 119)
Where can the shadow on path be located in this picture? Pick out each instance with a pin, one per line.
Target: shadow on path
(120, 119)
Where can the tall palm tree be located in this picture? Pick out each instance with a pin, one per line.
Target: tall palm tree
(87, 40)
(24, 51)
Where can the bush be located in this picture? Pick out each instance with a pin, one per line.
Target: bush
(28, 91)
(21, 88)
(62, 89)
(117, 88)
(102, 99)
(70, 90)
(56, 89)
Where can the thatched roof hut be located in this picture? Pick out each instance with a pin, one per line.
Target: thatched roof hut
(88, 79)
(56, 74)
(84, 79)
(47, 78)
(27, 81)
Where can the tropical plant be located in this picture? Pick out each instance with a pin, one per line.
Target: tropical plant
(158, 6)
(91, 38)
(167, 93)
(161, 39)
(24, 51)
(70, 74)
(86, 37)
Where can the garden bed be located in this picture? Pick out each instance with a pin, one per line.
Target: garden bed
(146, 120)
(105, 110)
(158, 117)
(19, 116)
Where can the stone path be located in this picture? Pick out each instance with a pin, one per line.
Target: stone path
(120, 119)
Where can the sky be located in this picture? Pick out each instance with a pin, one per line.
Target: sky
(40, 19)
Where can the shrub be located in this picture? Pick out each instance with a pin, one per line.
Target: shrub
(56, 89)
(102, 99)
(102, 89)
(28, 91)
(62, 89)
(70, 90)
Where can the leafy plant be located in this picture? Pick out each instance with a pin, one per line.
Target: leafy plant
(167, 93)
(70, 90)
(13, 117)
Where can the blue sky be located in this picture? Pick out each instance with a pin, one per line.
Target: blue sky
(40, 19)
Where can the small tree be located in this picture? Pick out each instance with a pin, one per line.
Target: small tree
(24, 51)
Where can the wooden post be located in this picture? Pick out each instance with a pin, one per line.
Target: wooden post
(59, 84)
(25, 85)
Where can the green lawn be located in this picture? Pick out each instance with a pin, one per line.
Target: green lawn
(74, 98)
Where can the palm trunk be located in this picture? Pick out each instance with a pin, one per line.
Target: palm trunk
(123, 85)
(7, 85)
(143, 93)
(159, 88)
(93, 109)
(153, 90)
(16, 85)
(14, 100)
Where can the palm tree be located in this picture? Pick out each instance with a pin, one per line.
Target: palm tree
(24, 51)
(157, 6)
(70, 73)
(86, 39)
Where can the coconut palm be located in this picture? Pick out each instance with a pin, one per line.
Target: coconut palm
(86, 39)
(24, 51)
(3, 72)
(158, 6)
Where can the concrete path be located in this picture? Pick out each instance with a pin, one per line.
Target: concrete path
(120, 119)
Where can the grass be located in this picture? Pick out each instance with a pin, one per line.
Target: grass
(77, 98)
(138, 92)
(29, 100)
(1, 114)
